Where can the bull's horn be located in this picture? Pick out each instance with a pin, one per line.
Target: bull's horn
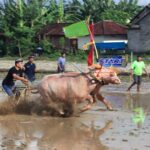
(95, 66)
(116, 70)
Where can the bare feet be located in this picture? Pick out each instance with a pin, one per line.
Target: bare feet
(87, 107)
(128, 90)
(109, 107)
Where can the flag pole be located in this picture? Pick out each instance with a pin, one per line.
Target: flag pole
(87, 22)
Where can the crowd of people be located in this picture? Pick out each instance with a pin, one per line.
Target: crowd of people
(26, 73)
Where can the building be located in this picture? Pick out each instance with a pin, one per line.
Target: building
(54, 33)
(106, 31)
(139, 31)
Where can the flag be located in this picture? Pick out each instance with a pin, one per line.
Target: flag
(76, 30)
(90, 57)
(85, 46)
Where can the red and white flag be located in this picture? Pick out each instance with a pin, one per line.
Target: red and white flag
(90, 58)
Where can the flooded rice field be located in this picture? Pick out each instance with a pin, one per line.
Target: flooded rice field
(125, 128)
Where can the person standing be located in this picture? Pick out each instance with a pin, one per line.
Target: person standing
(136, 71)
(30, 68)
(39, 50)
(14, 73)
(61, 63)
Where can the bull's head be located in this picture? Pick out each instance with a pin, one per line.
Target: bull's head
(107, 75)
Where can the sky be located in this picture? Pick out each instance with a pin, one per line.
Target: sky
(141, 2)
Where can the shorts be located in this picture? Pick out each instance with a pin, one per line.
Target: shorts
(137, 79)
(60, 71)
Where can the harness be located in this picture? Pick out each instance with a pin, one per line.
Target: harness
(100, 81)
(94, 79)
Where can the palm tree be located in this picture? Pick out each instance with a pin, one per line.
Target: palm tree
(129, 6)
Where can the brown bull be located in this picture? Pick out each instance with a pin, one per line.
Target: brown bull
(77, 87)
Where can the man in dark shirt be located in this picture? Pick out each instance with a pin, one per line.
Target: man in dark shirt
(14, 73)
(30, 69)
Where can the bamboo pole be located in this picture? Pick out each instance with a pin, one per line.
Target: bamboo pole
(131, 60)
(87, 22)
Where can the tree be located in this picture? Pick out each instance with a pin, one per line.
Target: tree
(90, 8)
(22, 19)
(129, 6)
(116, 15)
(104, 9)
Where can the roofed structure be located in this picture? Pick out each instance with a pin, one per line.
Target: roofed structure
(139, 31)
(108, 28)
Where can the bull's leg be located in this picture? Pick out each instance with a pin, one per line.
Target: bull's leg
(103, 100)
(48, 104)
(94, 98)
(89, 105)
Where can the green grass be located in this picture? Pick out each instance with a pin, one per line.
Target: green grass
(79, 57)
(145, 58)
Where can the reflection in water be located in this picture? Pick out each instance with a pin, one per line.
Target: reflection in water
(134, 104)
(138, 116)
(50, 134)
(131, 102)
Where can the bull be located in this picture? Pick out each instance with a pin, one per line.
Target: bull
(77, 87)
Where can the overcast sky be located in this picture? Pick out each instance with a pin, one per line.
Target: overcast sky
(141, 2)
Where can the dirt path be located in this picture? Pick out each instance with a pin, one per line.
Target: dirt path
(51, 66)
(44, 66)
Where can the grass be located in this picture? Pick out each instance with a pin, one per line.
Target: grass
(79, 57)
(146, 58)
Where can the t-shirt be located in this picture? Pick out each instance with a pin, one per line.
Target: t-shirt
(61, 62)
(9, 79)
(138, 67)
(30, 70)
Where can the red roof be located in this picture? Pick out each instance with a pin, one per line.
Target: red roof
(100, 28)
(109, 28)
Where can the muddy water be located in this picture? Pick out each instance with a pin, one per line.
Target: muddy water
(34, 133)
(97, 129)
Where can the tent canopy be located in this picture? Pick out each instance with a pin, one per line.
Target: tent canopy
(111, 46)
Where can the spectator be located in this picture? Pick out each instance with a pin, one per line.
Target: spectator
(61, 63)
(30, 68)
(39, 50)
(137, 69)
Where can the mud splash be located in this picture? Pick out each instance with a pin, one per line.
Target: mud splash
(33, 105)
